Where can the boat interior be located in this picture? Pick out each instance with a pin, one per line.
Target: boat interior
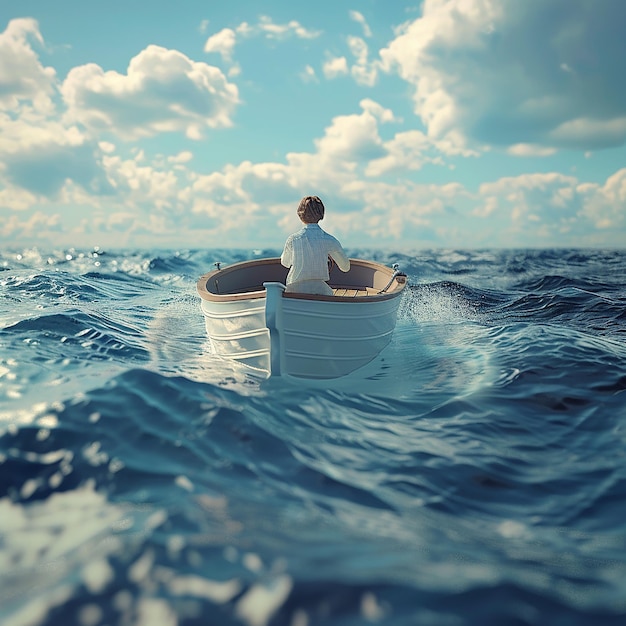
(365, 279)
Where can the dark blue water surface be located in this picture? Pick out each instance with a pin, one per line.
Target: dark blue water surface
(475, 473)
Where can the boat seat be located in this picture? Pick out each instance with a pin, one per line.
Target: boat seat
(347, 292)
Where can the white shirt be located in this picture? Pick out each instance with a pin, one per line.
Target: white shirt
(306, 253)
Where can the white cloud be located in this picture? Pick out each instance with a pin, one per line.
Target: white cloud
(242, 204)
(491, 72)
(67, 176)
(22, 76)
(530, 150)
(31, 228)
(47, 160)
(407, 212)
(485, 210)
(336, 66)
(26, 133)
(45, 169)
(282, 31)
(592, 133)
(236, 192)
(182, 157)
(106, 146)
(407, 150)
(360, 19)
(40, 154)
(604, 205)
(15, 199)
(232, 198)
(308, 75)
(142, 185)
(543, 206)
(363, 72)
(162, 91)
(355, 138)
(249, 199)
(223, 43)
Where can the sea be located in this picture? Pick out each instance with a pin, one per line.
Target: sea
(473, 474)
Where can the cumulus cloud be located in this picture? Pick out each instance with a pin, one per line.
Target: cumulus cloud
(31, 228)
(144, 185)
(353, 138)
(162, 91)
(147, 201)
(39, 155)
(29, 134)
(363, 71)
(529, 150)
(529, 209)
(360, 19)
(22, 76)
(357, 164)
(282, 31)
(541, 208)
(16, 199)
(157, 198)
(604, 205)
(232, 195)
(347, 144)
(407, 150)
(47, 157)
(182, 157)
(106, 146)
(44, 169)
(335, 66)
(590, 133)
(224, 41)
(541, 197)
(506, 73)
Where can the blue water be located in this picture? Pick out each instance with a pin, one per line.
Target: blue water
(475, 473)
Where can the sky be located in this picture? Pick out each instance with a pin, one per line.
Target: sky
(202, 123)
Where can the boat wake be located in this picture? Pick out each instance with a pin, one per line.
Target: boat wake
(435, 353)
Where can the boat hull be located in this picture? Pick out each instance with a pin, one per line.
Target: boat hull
(346, 336)
(299, 335)
(237, 330)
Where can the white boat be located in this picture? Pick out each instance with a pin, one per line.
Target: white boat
(249, 317)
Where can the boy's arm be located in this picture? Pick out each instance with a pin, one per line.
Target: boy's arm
(338, 255)
(286, 258)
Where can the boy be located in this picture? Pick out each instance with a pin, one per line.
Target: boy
(306, 252)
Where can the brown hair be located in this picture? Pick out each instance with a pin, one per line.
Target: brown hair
(311, 210)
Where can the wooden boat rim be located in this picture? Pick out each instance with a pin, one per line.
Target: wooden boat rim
(205, 294)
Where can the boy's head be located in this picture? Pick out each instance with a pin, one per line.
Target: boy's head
(311, 210)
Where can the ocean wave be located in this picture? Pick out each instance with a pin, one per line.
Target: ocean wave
(473, 473)
(79, 334)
